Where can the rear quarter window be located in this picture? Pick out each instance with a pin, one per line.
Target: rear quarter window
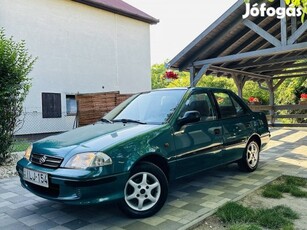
(228, 106)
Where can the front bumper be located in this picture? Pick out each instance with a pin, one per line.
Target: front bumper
(73, 186)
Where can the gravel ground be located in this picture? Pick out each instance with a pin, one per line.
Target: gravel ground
(9, 169)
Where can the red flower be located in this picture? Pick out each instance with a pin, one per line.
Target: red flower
(253, 99)
(304, 96)
(171, 75)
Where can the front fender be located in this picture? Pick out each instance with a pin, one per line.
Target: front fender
(126, 155)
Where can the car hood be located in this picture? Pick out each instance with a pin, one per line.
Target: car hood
(96, 137)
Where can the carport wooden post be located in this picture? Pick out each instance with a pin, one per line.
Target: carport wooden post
(271, 90)
(192, 75)
(240, 82)
(272, 100)
(196, 76)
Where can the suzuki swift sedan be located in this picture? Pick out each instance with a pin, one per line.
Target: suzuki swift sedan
(132, 153)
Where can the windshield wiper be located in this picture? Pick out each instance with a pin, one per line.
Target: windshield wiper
(106, 120)
(129, 121)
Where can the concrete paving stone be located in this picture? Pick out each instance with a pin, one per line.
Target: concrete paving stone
(9, 187)
(229, 195)
(54, 214)
(6, 220)
(97, 218)
(5, 204)
(119, 219)
(178, 194)
(184, 221)
(211, 191)
(19, 213)
(44, 210)
(93, 227)
(224, 201)
(17, 226)
(115, 228)
(243, 191)
(193, 207)
(22, 204)
(138, 225)
(212, 198)
(29, 195)
(210, 204)
(59, 228)
(7, 195)
(75, 224)
(63, 219)
(178, 203)
(193, 200)
(44, 225)
(153, 221)
(18, 199)
(31, 207)
(204, 210)
(181, 213)
(32, 220)
(171, 198)
(171, 217)
(169, 225)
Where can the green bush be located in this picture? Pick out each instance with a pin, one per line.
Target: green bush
(15, 65)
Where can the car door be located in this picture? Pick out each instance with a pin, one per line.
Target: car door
(198, 145)
(236, 122)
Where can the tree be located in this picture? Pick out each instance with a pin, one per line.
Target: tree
(157, 73)
(15, 65)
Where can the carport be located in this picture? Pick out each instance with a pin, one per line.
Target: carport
(266, 50)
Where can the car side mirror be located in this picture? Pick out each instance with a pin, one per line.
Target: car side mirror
(189, 117)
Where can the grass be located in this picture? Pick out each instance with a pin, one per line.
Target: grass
(243, 218)
(285, 184)
(20, 145)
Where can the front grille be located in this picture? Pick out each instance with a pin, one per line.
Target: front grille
(45, 160)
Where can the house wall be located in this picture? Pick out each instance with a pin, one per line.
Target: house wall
(80, 49)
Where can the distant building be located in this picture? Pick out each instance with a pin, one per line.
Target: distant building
(83, 46)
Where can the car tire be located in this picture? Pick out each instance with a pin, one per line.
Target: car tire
(145, 191)
(250, 159)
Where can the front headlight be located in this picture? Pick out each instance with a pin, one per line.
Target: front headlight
(87, 160)
(28, 153)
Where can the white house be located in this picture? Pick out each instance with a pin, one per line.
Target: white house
(83, 46)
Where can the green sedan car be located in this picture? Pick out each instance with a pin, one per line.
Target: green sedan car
(133, 152)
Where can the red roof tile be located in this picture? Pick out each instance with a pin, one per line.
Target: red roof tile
(122, 8)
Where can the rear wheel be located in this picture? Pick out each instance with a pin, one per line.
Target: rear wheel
(250, 159)
(145, 191)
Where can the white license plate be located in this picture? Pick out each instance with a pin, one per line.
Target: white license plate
(35, 177)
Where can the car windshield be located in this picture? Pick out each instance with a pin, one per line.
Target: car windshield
(147, 108)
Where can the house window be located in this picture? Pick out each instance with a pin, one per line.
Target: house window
(51, 103)
(71, 105)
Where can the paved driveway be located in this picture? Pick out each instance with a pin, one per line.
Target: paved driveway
(189, 201)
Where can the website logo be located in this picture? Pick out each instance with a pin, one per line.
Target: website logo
(264, 11)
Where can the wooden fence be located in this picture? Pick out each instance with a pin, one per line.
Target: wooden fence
(272, 110)
(91, 107)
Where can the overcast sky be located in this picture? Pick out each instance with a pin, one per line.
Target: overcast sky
(180, 22)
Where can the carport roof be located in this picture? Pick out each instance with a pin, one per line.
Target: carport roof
(258, 48)
(122, 8)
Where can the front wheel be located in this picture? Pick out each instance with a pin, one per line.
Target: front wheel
(145, 191)
(250, 159)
